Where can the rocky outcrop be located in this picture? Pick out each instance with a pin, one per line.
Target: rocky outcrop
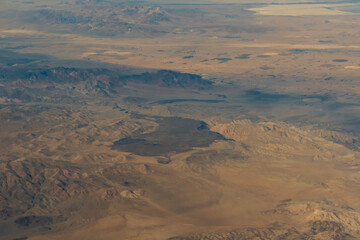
(171, 79)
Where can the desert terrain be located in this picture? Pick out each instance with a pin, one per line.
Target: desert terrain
(178, 119)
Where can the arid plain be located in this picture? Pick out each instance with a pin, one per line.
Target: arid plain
(179, 120)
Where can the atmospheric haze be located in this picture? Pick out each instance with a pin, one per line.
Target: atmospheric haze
(181, 120)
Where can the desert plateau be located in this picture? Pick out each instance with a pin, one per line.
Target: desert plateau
(179, 120)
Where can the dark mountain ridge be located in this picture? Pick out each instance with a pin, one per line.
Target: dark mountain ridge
(28, 84)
